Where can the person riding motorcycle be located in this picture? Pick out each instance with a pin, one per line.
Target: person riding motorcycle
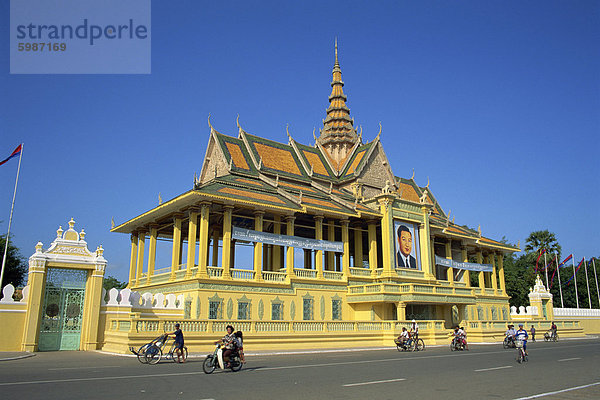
(521, 334)
(229, 341)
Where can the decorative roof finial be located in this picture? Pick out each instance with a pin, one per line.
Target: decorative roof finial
(380, 128)
(413, 175)
(287, 130)
(159, 199)
(427, 186)
(336, 56)
(112, 222)
(59, 232)
(71, 223)
(315, 136)
(210, 125)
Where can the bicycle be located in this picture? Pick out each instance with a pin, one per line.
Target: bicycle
(550, 336)
(521, 355)
(413, 345)
(151, 353)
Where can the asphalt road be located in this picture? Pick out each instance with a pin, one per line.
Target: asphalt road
(487, 371)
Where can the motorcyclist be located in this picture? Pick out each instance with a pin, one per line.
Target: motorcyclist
(228, 341)
(521, 334)
(510, 334)
(463, 337)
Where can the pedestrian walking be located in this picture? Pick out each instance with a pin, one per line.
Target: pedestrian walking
(532, 333)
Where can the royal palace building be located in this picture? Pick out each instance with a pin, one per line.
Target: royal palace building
(287, 232)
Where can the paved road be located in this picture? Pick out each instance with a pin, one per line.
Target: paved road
(487, 371)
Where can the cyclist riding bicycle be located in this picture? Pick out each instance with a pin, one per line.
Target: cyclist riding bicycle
(521, 335)
(414, 332)
(403, 338)
(178, 335)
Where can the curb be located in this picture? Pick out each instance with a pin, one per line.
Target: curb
(18, 357)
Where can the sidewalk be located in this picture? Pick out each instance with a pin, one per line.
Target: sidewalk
(14, 355)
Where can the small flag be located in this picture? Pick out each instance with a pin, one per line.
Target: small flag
(575, 273)
(538, 259)
(562, 264)
(14, 154)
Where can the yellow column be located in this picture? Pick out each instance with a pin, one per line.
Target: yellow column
(203, 239)
(319, 254)
(330, 255)
(258, 247)
(176, 252)
(387, 238)
(152, 252)
(358, 249)
(449, 257)
(501, 273)
(36, 280)
(346, 255)
(215, 246)
(277, 249)
(372, 236)
(191, 247)
(401, 311)
(481, 277)
(289, 259)
(140, 257)
(494, 283)
(132, 260)
(466, 273)
(93, 298)
(426, 246)
(226, 260)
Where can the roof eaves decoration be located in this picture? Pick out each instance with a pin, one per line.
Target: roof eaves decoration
(315, 161)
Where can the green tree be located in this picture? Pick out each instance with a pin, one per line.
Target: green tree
(110, 282)
(16, 266)
(538, 240)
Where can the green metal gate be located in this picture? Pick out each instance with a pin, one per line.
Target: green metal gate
(62, 311)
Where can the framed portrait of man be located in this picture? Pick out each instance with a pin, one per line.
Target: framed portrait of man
(407, 252)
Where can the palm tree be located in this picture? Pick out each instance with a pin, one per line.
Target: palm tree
(538, 240)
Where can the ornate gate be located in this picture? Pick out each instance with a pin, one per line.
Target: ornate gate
(62, 312)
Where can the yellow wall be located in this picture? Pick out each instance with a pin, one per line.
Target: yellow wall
(11, 328)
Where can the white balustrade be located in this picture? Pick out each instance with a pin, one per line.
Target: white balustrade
(305, 273)
(242, 274)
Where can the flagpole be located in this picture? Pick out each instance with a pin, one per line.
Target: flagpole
(10, 218)
(575, 277)
(562, 305)
(587, 282)
(546, 268)
(596, 276)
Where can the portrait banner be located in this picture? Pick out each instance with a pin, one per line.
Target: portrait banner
(407, 249)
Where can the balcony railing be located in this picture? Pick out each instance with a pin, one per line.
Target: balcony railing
(305, 273)
(271, 276)
(405, 288)
(357, 271)
(242, 274)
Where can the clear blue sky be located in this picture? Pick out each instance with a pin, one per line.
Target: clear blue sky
(497, 102)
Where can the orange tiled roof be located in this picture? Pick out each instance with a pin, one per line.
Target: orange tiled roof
(278, 159)
(356, 161)
(408, 192)
(305, 188)
(249, 181)
(254, 195)
(236, 154)
(320, 202)
(315, 162)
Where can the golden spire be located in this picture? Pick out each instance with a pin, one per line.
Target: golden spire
(338, 135)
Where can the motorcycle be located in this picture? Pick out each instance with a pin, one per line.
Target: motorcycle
(509, 342)
(457, 344)
(215, 360)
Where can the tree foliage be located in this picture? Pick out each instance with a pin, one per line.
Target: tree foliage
(110, 282)
(16, 268)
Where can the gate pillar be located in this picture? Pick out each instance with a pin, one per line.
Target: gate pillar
(69, 257)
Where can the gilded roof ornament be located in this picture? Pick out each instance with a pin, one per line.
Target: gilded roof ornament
(413, 175)
(159, 199)
(210, 125)
(112, 222)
